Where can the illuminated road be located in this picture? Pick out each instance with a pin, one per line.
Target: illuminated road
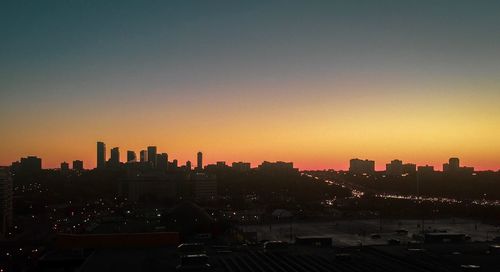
(359, 191)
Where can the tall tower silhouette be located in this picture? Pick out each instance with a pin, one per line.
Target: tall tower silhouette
(199, 166)
(101, 154)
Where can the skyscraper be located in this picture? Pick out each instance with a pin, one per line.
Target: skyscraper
(5, 201)
(152, 155)
(199, 166)
(114, 160)
(143, 156)
(78, 165)
(101, 155)
(131, 157)
(162, 161)
(188, 165)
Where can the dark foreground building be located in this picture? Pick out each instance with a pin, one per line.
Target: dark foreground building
(437, 257)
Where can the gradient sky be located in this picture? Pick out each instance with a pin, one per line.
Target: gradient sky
(314, 82)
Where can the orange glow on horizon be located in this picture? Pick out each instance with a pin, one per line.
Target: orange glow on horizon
(318, 132)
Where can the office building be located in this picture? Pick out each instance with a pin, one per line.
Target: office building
(78, 165)
(143, 156)
(188, 165)
(6, 193)
(153, 185)
(131, 157)
(357, 166)
(114, 160)
(101, 155)
(453, 167)
(278, 166)
(199, 158)
(204, 186)
(241, 166)
(152, 156)
(409, 168)
(394, 169)
(425, 170)
(454, 164)
(221, 164)
(30, 164)
(162, 161)
(64, 167)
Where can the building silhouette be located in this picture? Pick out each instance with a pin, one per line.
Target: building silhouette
(203, 186)
(394, 169)
(131, 157)
(409, 168)
(152, 156)
(6, 194)
(425, 170)
(64, 166)
(114, 160)
(357, 166)
(453, 167)
(454, 163)
(221, 164)
(30, 164)
(78, 165)
(143, 156)
(101, 155)
(199, 159)
(162, 161)
(279, 166)
(241, 166)
(188, 165)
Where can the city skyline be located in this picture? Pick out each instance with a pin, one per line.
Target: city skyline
(316, 84)
(114, 159)
(338, 164)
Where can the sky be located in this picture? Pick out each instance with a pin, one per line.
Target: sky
(313, 82)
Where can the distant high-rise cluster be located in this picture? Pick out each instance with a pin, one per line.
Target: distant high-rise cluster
(148, 158)
(396, 168)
